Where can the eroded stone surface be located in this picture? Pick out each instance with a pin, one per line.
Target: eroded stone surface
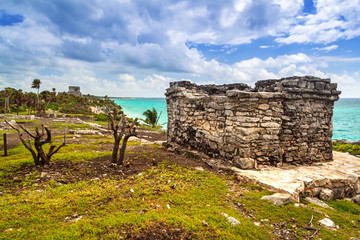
(341, 176)
(279, 122)
(356, 199)
(279, 198)
(317, 202)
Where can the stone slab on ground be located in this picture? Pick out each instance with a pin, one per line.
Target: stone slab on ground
(340, 178)
(317, 202)
(279, 198)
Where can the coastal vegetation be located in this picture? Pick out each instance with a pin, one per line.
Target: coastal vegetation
(19, 102)
(152, 117)
(353, 149)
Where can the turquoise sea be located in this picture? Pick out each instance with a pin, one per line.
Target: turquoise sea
(135, 107)
(346, 120)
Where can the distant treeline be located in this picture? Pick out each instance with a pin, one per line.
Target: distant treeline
(17, 101)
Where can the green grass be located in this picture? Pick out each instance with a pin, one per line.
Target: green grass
(25, 120)
(103, 206)
(111, 209)
(71, 126)
(7, 131)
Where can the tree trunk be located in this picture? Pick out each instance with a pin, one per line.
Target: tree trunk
(43, 158)
(122, 150)
(8, 103)
(115, 149)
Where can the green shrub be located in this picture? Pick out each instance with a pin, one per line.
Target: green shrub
(346, 147)
(53, 106)
(101, 117)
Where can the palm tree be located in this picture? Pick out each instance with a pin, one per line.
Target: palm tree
(8, 94)
(36, 84)
(53, 93)
(152, 117)
(18, 98)
(30, 101)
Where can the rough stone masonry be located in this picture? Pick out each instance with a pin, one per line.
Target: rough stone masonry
(284, 121)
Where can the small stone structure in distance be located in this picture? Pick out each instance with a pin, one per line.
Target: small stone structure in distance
(278, 122)
(75, 90)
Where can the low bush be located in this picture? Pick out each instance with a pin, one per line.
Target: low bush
(346, 147)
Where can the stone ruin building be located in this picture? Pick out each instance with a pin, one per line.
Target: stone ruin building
(285, 121)
(75, 90)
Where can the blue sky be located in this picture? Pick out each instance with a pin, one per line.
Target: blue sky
(136, 47)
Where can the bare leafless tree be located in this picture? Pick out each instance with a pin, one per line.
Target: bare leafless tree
(37, 152)
(121, 129)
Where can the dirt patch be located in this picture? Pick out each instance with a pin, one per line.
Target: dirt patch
(140, 159)
(151, 135)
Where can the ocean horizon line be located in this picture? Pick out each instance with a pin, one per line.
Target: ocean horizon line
(129, 97)
(165, 97)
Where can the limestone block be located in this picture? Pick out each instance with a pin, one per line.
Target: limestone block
(247, 131)
(319, 85)
(229, 113)
(317, 201)
(286, 118)
(270, 125)
(213, 105)
(310, 85)
(356, 199)
(244, 163)
(213, 145)
(315, 191)
(279, 198)
(252, 119)
(357, 186)
(269, 137)
(291, 107)
(240, 113)
(228, 106)
(338, 192)
(326, 194)
(301, 84)
(267, 119)
(290, 83)
(249, 125)
(263, 106)
(206, 126)
(221, 99)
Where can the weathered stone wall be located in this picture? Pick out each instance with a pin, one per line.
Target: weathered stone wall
(279, 121)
